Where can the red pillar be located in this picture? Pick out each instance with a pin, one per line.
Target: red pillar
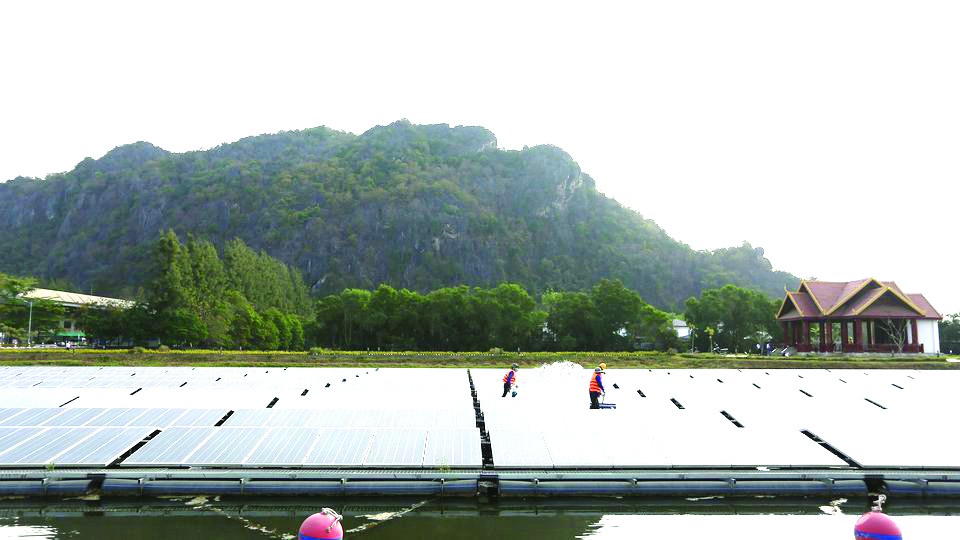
(823, 337)
(828, 339)
(805, 337)
(844, 335)
(869, 333)
(858, 335)
(785, 327)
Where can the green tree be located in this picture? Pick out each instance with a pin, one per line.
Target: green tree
(244, 322)
(354, 302)
(518, 322)
(446, 317)
(172, 294)
(18, 314)
(282, 325)
(950, 334)
(297, 340)
(735, 313)
(327, 329)
(572, 320)
(208, 282)
(616, 307)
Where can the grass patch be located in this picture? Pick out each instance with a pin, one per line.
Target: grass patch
(327, 358)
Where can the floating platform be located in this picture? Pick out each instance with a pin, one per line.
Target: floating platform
(451, 433)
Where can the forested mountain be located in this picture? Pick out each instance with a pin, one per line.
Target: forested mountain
(420, 207)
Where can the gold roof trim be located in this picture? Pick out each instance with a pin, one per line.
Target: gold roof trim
(855, 292)
(803, 284)
(886, 289)
(792, 301)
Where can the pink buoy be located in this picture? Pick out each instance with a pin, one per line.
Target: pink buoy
(875, 525)
(324, 525)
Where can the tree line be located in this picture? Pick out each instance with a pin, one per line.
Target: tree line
(733, 318)
(18, 315)
(241, 299)
(608, 317)
(195, 298)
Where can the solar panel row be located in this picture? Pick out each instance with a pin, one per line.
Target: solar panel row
(381, 418)
(413, 417)
(722, 418)
(310, 447)
(92, 417)
(62, 446)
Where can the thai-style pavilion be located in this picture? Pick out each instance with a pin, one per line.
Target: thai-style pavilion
(858, 316)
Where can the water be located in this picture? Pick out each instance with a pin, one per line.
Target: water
(596, 519)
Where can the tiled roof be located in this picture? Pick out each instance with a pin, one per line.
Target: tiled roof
(818, 299)
(859, 301)
(828, 293)
(806, 305)
(887, 306)
(801, 301)
(922, 302)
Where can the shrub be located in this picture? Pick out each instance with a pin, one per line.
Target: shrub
(316, 351)
(671, 351)
(137, 350)
(496, 350)
(163, 348)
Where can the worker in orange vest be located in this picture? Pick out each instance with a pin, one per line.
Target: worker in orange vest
(596, 388)
(510, 379)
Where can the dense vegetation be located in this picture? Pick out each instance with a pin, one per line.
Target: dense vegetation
(18, 315)
(249, 301)
(950, 334)
(734, 319)
(609, 317)
(194, 298)
(414, 207)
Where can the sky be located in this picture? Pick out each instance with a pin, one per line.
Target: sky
(827, 132)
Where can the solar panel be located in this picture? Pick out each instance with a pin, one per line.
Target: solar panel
(226, 446)
(158, 418)
(103, 447)
(250, 418)
(32, 417)
(45, 446)
(74, 417)
(284, 447)
(397, 448)
(9, 413)
(297, 418)
(583, 449)
(170, 447)
(519, 448)
(341, 447)
(12, 437)
(453, 448)
(201, 417)
(914, 445)
(116, 417)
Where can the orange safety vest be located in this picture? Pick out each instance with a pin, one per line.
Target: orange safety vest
(594, 387)
(510, 377)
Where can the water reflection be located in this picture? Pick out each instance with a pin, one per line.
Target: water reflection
(757, 527)
(27, 531)
(392, 519)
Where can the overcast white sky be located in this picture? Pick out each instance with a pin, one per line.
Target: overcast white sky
(827, 132)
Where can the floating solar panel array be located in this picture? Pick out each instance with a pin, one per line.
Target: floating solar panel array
(236, 417)
(719, 418)
(413, 418)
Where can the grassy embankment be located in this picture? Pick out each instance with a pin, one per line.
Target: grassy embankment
(83, 357)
